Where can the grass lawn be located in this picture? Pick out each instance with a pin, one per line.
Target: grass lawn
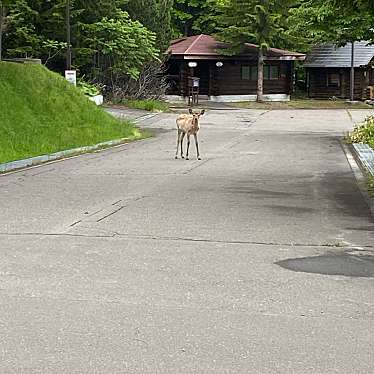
(150, 105)
(302, 104)
(41, 113)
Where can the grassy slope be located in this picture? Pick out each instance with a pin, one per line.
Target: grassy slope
(41, 113)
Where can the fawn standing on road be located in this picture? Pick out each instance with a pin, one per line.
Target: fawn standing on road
(188, 124)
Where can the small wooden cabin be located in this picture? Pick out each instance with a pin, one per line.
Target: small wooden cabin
(228, 78)
(328, 71)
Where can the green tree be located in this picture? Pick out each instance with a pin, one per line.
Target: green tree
(353, 4)
(155, 15)
(117, 47)
(2, 25)
(144, 11)
(108, 46)
(195, 16)
(316, 21)
(35, 29)
(164, 28)
(3, 21)
(256, 21)
(91, 11)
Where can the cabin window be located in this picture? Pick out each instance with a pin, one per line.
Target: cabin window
(249, 73)
(271, 72)
(254, 74)
(333, 80)
(246, 72)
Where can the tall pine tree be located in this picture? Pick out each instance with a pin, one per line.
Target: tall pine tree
(155, 15)
(253, 21)
(164, 29)
(194, 16)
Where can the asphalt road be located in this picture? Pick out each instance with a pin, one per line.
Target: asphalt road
(257, 259)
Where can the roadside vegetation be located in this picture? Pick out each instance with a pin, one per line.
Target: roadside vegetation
(302, 104)
(363, 133)
(149, 105)
(88, 88)
(41, 113)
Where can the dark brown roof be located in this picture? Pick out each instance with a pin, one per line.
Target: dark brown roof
(329, 55)
(205, 46)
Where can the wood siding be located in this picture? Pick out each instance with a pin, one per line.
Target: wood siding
(227, 80)
(318, 83)
(230, 81)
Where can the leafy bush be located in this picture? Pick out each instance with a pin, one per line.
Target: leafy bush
(364, 133)
(88, 88)
(150, 105)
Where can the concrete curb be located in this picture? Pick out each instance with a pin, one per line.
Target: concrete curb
(360, 177)
(38, 160)
(116, 112)
(33, 161)
(365, 154)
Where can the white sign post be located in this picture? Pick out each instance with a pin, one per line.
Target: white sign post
(71, 76)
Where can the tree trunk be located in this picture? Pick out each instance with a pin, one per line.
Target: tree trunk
(260, 76)
(1, 29)
(68, 36)
(352, 81)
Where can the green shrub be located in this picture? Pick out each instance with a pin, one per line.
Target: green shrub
(88, 89)
(150, 105)
(364, 132)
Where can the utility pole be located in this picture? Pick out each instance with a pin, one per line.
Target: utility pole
(352, 85)
(68, 36)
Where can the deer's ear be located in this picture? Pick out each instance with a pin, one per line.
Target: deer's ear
(202, 112)
(190, 111)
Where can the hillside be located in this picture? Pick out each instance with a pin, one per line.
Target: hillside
(41, 113)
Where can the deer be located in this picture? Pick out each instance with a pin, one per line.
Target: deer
(188, 124)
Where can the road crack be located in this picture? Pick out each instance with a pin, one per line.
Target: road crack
(116, 235)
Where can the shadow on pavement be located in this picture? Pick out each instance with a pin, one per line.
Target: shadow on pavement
(346, 264)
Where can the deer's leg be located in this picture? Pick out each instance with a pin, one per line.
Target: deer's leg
(182, 137)
(179, 133)
(188, 146)
(197, 147)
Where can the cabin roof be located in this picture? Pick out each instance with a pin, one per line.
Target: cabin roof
(206, 46)
(329, 55)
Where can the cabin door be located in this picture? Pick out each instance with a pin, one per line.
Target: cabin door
(202, 71)
(371, 77)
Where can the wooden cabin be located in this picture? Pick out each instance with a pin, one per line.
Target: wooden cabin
(227, 78)
(328, 70)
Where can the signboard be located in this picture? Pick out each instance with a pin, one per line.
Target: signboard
(71, 76)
